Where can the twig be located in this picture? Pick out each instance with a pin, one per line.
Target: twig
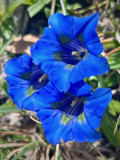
(116, 125)
(113, 51)
(97, 5)
(56, 153)
(63, 7)
(53, 7)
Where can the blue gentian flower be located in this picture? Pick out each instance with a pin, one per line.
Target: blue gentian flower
(74, 117)
(28, 86)
(69, 51)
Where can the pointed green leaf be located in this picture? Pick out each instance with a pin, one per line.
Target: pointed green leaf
(8, 107)
(114, 107)
(35, 8)
(114, 60)
(108, 126)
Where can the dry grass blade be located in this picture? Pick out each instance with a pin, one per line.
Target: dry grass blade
(48, 151)
(12, 153)
(107, 40)
(116, 125)
(56, 153)
(43, 154)
(64, 156)
(12, 133)
(98, 151)
(9, 145)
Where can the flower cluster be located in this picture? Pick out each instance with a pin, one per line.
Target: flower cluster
(51, 83)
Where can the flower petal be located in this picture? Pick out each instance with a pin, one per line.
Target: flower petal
(53, 92)
(91, 39)
(17, 66)
(90, 66)
(53, 132)
(50, 36)
(67, 133)
(17, 90)
(58, 74)
(80, 88)
(93, 65)
(35, 102)
(95, 106)
(93, 120)
(98, 101)
(63, 26)
(95, 48)
(42, 98)
(83, 132)
(42, 51)
(80, 23)
(76, 74)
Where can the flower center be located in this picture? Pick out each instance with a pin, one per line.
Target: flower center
(70, 105)
(37, 79)
(72, 52)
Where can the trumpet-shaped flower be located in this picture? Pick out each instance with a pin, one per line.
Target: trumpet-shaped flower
(69, 51)
(26, 82)
(74, 117)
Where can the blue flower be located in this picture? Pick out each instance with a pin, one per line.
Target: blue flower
(74, 117)
(69, 51)
(28, 86)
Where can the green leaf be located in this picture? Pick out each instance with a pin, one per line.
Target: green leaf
(25, 149)
(4, 86)
(13, 5)
(5, 45)
(60, 156)
(8, 107)
(112, 79)
(93, 81)
(20, 137)
(35, 8)
(2, 7)
(7, 28)
(1, 42)
(114, 107)
(47, 12)
(111, 44)
(114, 61)
(30, 2)
(108, 126)
(46, 1)
(11, 8)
